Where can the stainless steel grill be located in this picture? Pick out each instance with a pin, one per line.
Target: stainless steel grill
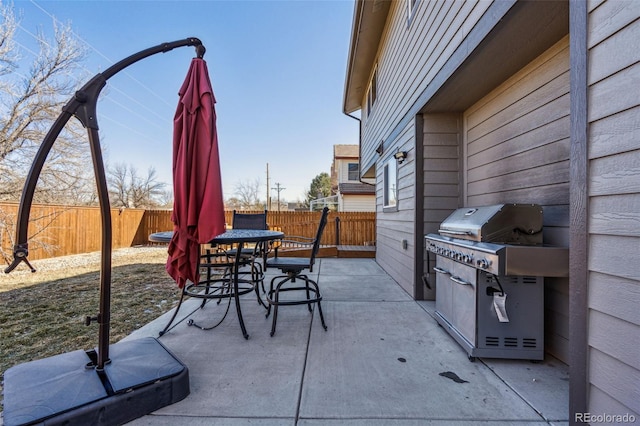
(490, 264)
(504, 223)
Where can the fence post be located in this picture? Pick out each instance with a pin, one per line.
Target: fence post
(337, 231)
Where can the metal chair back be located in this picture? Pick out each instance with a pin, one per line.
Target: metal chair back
(249, 220)
(316, 242)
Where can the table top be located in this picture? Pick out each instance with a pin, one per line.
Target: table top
(161, 237)
(229, 236)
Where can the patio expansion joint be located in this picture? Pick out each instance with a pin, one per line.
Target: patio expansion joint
(426, 419)
(304, 368)
(515, 391)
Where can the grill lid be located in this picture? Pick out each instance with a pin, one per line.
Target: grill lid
(500, 223)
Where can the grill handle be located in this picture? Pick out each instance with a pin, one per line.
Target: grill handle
(448, 231)
(459, 280)
(441, 271)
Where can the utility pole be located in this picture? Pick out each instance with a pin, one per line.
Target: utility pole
(268, 192)
(278, 188)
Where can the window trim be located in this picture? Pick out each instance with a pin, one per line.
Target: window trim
(372, 90)
(387, 206)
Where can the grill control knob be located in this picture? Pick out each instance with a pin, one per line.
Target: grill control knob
(467, 258)
(482, 263)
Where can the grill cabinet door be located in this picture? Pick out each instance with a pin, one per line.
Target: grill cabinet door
(443, 288)
(456, 296)
(463, 280)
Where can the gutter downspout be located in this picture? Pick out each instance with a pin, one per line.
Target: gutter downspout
(359, 148)
(359, 144)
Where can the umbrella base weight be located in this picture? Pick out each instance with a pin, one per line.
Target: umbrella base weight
(142, 376)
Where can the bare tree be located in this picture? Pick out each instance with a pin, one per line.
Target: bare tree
(38, 225)
(127, 189)
(30, 100)
(165, 199)
(8, 54)
(247, 193)
(232, 203)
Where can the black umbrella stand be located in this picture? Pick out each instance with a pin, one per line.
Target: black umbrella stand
(92, 387)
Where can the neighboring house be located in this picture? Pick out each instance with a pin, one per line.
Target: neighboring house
(506, 101)
(296, 206)
(353, 194)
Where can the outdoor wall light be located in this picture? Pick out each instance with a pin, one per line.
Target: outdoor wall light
(380, 148)
(400, 156)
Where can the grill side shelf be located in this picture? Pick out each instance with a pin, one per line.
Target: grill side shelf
(541, 261)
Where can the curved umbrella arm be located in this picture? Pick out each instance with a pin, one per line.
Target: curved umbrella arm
(83, 107)
(21, 247)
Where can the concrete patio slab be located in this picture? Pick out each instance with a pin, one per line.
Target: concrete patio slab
(232, 377)
(408, 422)
(364, 288)
(341, 267)
(387, 360)
(543, 385)
(383, 361)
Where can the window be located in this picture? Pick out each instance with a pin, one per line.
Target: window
(390, 185)
(372, 91)
(354, 171)
(411, 9)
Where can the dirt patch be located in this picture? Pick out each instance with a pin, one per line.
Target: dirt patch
(43, 313)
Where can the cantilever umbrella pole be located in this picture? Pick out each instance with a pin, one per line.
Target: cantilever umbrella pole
(83, 106)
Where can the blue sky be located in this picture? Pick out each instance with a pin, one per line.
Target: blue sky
(277, 70)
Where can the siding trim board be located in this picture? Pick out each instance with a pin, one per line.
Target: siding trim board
(578, 211)
(418, 264)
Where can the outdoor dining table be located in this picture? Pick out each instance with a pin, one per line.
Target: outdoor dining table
(237, 237)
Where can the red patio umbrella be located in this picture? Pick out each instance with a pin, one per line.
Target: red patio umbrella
(198, 207)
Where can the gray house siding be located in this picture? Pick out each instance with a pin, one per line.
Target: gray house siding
(435, 31)
(516, 150)
(397, 226)
(494, 103)
(409, 56)
(441, 177)
(613, 182)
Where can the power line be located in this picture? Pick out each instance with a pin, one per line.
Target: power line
(278, 188)
(124, 126)
(104, 56)
(111, 86)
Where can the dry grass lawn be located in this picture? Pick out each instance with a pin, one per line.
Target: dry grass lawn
(43, 313)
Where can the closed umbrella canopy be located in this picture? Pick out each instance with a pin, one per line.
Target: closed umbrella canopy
(198, 207)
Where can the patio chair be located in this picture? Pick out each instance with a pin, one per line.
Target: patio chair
(219, 258)
(259, 251)
(293, 268)
(215, 283)
(216, 263)
(250, 221)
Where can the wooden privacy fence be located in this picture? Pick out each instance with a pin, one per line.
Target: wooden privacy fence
(354, 228)
(57, 230)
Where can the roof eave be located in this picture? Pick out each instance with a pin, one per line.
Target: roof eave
(369, 18)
